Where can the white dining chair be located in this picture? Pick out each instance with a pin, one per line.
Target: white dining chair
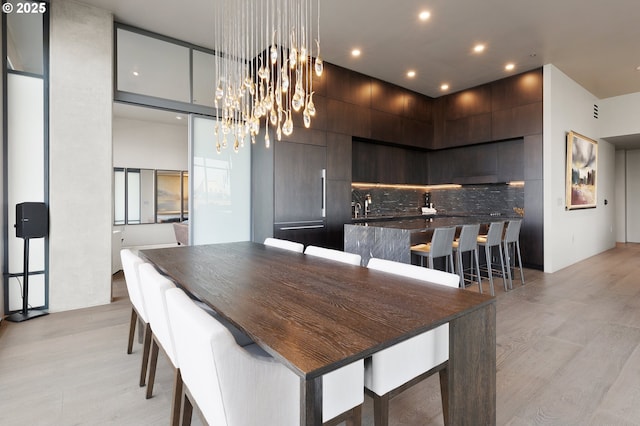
(284, 244)
(332, 254)
(154, 288)
(392, 370)
(233, 385)
(130, 266)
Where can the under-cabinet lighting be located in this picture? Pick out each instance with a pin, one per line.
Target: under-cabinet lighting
(516, 183)
(404, 186)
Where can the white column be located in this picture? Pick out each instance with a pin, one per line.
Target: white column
(80, 155)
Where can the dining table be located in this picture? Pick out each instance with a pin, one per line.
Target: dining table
(316, 315)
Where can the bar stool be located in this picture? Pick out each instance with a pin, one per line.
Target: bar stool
(488, 242)
(468, 243)
(511, 241)
(441, 245)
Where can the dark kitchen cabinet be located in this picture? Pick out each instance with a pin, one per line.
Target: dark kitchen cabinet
(378, 163)
(300, 190)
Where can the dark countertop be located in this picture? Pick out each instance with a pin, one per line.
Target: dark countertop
(426, 222)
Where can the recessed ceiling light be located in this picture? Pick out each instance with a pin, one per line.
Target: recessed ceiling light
(638, 68)
(424, 15)
(444, 86)
(178, 117)
(510, 66)
(411, 74)
(355, 52)
(479, 48)
(136, 73)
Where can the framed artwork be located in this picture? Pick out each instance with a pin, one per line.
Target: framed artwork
(582, 167)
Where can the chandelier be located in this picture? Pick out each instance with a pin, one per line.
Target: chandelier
(265, 63)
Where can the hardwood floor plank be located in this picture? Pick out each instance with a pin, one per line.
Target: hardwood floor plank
(568, 353)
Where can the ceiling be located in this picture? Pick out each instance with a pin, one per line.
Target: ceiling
(593, 42)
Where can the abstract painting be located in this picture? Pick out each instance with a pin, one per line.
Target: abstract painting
(582, 166)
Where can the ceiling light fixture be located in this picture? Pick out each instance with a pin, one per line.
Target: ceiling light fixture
(135, 73)
(510, 66)
(411, 74)
(274, 83)
(638, 68)
(355, 52)
(424, 15)
(479, 48)
(444, 87)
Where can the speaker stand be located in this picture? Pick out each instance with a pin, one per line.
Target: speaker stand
(26, 314)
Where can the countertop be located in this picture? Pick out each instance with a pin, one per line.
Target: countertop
(426, 222)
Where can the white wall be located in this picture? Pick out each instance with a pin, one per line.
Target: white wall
(571, 236)
(619, 115)
(80, 155)
(149, 145)
(632, 189)
(621, 196)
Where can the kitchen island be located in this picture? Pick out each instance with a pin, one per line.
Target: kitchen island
(392, 238)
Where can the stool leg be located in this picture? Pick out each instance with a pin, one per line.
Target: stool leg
(520, 262)
(460, 268)
(487, 253)
(507, 258)
(502, 266)
(474, 255)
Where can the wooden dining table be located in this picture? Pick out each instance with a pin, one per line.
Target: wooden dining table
(315, 315)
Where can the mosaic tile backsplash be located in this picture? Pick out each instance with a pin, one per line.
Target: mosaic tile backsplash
(488, 199)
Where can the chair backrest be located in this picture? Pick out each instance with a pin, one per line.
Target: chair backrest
(442, 241)
(494, 235)
(337, 255)
(154, 287)
(284, 244)
(229, 384)
(468, 237)
(414, 271)
(181, 231)
(130, 266)
(513, 231)
(194, 332)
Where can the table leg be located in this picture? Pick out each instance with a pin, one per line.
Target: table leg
(311, 402)
(471, 371)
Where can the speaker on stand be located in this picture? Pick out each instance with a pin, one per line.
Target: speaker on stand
(31, 222)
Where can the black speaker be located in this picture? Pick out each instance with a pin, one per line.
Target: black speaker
(31, 220)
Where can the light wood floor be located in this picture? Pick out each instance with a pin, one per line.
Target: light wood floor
(568, 353)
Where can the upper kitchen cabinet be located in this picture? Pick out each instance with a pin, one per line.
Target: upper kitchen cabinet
(347, 86)
(465, 118)
(387, 97)
(516, 105)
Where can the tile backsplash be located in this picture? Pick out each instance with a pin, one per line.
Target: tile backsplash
(485, 199)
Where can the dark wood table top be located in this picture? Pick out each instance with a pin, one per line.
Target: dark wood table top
(312, 314)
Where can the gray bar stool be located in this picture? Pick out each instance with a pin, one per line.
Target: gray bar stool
(488, 242)
(511, 241)
(468, 243)
(440, 246)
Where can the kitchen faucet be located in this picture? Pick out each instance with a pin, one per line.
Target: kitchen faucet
(367, 204)
(356, 210)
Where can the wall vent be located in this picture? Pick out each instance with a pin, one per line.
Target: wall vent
(595, 111)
